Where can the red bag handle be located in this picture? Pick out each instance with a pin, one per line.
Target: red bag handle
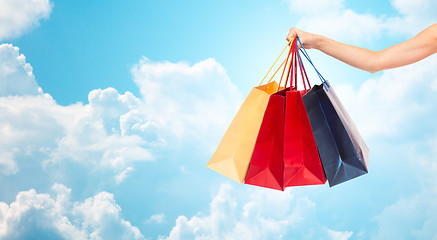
(293, 69)
(286, 61)
(290, 68)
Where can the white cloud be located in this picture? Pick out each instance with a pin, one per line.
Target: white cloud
(121, 176)
(18, 16)
(106, 136)
(100, 215)
(112, 131)
(315, 7)
(28, 127)
(253, 214)
(157, 218)
(7, 164)
(93, 135)
(16, 76)
(414, 16)
(191, 101)
(336, 235)
(228, 220)
(35, 127)
(408, 218)
(394, 103)
(34, 214)
(334, 20)
(413, 216)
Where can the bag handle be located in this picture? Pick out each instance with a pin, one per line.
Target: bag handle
(303, 72)
(304, 52)
(275, 63)
(296, 62)
(290, 68)
(276, 71)
(293, 45)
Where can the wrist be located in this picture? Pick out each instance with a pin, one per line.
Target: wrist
(319, 42)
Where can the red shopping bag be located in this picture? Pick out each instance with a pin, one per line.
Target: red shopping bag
(266, 168)
(302, 165)
(285, 152)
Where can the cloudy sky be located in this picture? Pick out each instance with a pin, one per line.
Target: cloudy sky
(110, 110)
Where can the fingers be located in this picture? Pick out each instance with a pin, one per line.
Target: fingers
(306, 39)
(292, 33)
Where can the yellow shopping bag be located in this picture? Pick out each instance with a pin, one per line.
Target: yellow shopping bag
(234, 152)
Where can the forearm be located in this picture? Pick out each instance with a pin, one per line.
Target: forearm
(419, 47)
(355, 56)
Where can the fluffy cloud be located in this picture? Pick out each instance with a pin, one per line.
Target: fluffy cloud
(333, 19)
(157, 218)
(93, 135)
(15, 73)
(7, 164)
(99, 140)
(106, 136)
(228, 220)
(18, 16)
(393, 104)
(409, 218)
(37, 128)
(335, 235)
(100, 215)
(113, 130)
(264, 214)
(414, 16)
(35, 214)
(190, 101)
(413, 216)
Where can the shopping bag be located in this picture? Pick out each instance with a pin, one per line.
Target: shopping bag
(302, 165)
(341, 162)
(266, 167)
(342, 150)
(357, 140)
(234, 152)
(285, 152)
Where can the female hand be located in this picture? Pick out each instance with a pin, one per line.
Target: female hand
(308, 40)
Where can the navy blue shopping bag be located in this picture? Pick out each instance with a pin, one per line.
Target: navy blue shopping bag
(340, 158)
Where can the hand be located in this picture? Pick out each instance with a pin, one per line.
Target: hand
(308, 40)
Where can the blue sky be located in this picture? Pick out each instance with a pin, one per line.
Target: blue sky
(110, 111)
(114, 35)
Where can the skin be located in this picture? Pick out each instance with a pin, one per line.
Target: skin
(415, 49)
